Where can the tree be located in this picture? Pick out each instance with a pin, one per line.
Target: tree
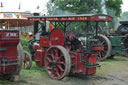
(76, 6)
(114, 5)
(124, 16)
(85, 7)
(114, 10)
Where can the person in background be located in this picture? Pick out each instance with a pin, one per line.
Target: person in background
(76, 32)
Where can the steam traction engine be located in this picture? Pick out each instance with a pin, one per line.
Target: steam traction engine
(115, 43)
(122, 31)
(10, 54)
(60, 51)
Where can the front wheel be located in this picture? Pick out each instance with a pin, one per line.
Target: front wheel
(57, 62)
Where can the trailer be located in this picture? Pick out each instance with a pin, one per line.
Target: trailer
(11, 51)
(11, 55)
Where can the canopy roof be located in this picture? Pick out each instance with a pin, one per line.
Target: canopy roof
(15, 19)
(14, 15)
(81, 17)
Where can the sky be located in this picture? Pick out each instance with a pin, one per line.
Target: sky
(31, 5)
(125, 6)
(25, 5)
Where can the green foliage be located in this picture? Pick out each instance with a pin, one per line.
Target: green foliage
(124, 16)
(83, 6)
(114, 5)
(24, 42)
(35, 70)
(112, 13)
(75, 6)
(61, 7)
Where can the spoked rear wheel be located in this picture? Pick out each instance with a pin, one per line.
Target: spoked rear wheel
(27, 60)
(104, 41)
(20, 57)
(125, 45)
(57, 62)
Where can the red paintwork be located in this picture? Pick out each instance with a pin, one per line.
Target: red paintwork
(44, 41)
(36, 46)
(83, 59)
(84, 17)
(80, 63)
(39, 58)
(78, 67)
(50, 27)
(69, 36)
(57, 57)
(9, 42)
(97, 48)
(56, 37)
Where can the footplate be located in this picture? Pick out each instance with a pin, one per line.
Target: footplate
(91, 65)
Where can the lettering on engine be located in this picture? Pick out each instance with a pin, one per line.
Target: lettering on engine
(11, 34)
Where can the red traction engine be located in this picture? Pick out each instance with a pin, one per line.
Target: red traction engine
(63, 53)
(10, 54)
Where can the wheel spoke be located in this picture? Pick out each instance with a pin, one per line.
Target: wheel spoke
(61, 55)
(25, 64)
(27, 59)
(57, 63)
(56, 52)
(61, 62)
(102, 42)
(52, 54)
(104, 51)
(49, 68)
(60, 67)
(49, 60)
(100, 55)
(57, 72)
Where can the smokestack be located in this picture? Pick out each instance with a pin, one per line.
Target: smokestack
(36, 24)
(1, 4)
(103, 8)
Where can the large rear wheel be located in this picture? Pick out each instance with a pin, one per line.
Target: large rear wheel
(104, 41)
(125, 45)
(57, 62)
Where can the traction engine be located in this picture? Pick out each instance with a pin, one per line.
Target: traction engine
(61, 52)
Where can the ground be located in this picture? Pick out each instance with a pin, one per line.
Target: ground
(111, 72)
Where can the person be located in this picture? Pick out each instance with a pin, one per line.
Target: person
(76, 32)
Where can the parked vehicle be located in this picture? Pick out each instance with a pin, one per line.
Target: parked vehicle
(60, 51)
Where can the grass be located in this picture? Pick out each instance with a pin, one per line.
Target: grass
(24, 42)
(34, 71)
